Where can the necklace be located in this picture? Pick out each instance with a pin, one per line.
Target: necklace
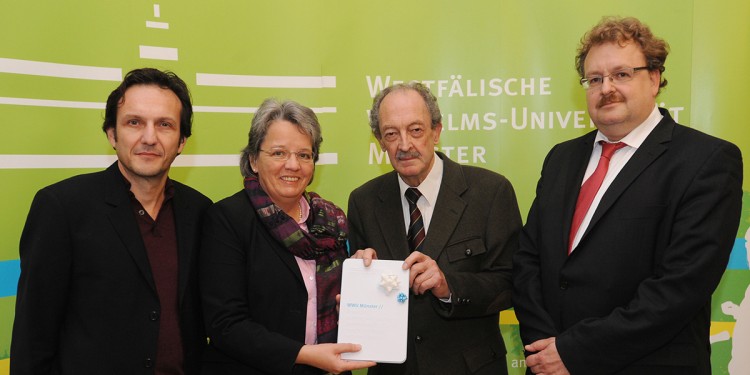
(299, 205)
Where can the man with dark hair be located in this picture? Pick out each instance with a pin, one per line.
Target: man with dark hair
(456, 228)
(108, 260)
(631, 228)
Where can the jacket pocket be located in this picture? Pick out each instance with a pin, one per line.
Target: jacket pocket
(465, 249)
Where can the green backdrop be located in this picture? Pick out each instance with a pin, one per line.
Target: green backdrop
(502, 70)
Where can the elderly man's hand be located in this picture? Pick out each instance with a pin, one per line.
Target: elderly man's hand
(425, 275)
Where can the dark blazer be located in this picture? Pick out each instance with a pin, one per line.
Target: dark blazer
(87, 303)
(634, 297)
(254, 299)
(472, 236)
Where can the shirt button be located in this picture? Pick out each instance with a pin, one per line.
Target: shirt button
(563, 284)
(141, 212)
(148, 363)
(467, 252)
(418, 339)
(154, 315)
(310, 277)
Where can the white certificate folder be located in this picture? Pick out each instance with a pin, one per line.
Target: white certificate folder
(374, 310)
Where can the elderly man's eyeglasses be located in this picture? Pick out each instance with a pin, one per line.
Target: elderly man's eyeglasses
(280, 154)
(620, 76)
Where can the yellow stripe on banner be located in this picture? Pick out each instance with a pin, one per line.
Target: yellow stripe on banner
(718, 327)
(508, 317)
(4, 366)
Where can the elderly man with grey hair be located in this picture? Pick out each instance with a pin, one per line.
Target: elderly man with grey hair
(456, 228)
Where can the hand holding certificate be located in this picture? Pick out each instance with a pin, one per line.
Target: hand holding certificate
(374, 310)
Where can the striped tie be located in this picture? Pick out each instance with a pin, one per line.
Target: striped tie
(415, 234)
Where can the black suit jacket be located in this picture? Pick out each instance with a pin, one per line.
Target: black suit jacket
(472, 236)
(254, 299)
(86, 302)
(634, 297)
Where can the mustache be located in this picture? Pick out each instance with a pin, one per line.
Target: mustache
(608, 99)
(407, 155)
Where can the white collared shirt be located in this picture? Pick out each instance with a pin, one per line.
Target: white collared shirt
(634, 140)
(429, 189)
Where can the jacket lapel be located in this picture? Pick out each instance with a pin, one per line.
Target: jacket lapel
(186, 226)
(449, 208)
(121, 217)
(578, 163)
(277, 247)
(285, 256)
(390, 219)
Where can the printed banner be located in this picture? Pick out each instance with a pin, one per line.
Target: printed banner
(503, 73)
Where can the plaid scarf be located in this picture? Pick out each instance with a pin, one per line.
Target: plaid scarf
(325, 243)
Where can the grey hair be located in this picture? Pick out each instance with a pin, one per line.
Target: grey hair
(272, 110)
(429, 100)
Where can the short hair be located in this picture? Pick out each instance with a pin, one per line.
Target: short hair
(273, 110)
(621, 31)
(429, 100)
(151, 76)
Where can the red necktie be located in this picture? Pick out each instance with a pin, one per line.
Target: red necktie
(415, 234)
(590, 187)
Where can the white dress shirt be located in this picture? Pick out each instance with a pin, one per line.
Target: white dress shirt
(633, 140)
(429, 188)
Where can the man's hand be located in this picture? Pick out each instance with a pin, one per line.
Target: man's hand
(367, 255)
(546, 360)
(425, 275)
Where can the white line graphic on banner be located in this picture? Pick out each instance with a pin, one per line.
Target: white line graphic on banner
(214, 109)
(290, 82)
(102, 161)
(51, 103)
(158, 53)
(96, 105)
(154, 52)
(48, 69)
(157, 25)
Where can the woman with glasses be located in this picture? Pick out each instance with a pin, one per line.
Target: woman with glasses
(272, 255)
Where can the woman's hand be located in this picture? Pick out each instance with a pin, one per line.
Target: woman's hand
(327, 357)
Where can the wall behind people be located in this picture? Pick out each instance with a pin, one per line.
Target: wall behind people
(502, 71)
